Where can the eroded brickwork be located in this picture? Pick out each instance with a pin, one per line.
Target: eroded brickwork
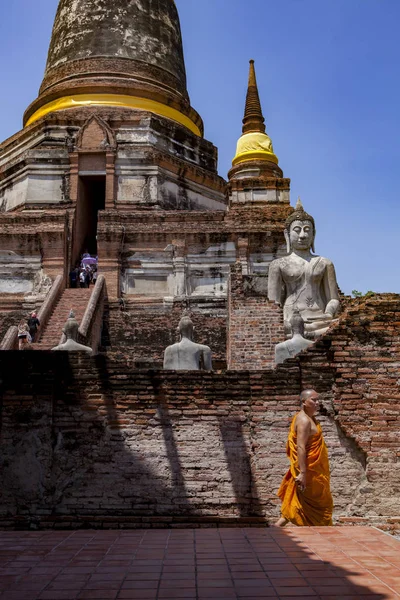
(92, 441)
(364, 352)
(8, 319)
(100, 442)
(141, 335)
(255, 324)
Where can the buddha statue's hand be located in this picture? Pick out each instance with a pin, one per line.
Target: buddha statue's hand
(318, 317)
(328, 316)
(332, 308)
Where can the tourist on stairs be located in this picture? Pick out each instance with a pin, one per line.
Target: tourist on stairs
(73, 278)
(33, 325)
(82, 278)
(24, 338)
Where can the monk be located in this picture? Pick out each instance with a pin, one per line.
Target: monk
(305, 490)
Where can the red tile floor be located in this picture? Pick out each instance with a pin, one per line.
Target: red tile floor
(250, 563)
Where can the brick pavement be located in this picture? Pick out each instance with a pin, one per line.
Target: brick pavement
(201, 564)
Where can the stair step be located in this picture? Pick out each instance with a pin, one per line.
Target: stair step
(75, 299)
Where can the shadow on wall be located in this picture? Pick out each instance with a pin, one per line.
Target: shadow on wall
(238, 458)
(236, 455)
(88, 441)
(65, 451)
(84, 439)
(127, 471)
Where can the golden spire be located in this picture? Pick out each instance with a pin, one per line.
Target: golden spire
(253, 117)
(254, 144)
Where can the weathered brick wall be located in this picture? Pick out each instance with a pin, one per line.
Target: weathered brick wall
(8, 319)
(92, 441)
(364, 352)
(255, 324)
(85, 438)
(141, 334)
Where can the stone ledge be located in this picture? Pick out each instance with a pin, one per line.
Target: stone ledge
(126, 522)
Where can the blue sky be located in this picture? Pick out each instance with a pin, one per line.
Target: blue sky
(328, 74)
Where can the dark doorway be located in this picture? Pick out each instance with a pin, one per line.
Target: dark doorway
(91, 199)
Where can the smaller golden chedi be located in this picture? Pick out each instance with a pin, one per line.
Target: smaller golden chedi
(254, 144)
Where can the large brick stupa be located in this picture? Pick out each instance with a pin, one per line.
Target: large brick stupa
(112, 162)
(111, 171)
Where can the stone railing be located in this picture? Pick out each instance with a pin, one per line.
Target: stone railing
(10, 340)
(91, 325)
(49, 303)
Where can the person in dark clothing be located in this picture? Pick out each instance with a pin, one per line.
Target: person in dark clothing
(73, 278)
(87, 278)
(33, 325)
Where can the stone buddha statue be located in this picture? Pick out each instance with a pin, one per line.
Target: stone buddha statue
(293, 347)
(303, 281)
(70, 332)
(186, 355)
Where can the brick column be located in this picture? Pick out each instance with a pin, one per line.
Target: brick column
(179, 261)
(110, 181)
(109, 244)
(243, 252)
(73, 176)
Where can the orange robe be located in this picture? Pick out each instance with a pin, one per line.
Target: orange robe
(314, 506)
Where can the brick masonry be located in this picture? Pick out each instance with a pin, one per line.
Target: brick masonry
(255, 324)
(91, 441)
(9, 319)
(141, 334)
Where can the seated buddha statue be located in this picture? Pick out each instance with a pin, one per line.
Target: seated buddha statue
(293, 347)
(70, 334)
(186, 355)
(303, 281)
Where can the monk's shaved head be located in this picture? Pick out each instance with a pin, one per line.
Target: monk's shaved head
(306, 394)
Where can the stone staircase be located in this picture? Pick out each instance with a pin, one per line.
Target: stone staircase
(77, 299)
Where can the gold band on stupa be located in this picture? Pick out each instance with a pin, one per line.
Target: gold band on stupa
(124, 101)
(254, 146)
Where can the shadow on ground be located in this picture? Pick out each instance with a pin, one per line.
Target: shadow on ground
(201, 564)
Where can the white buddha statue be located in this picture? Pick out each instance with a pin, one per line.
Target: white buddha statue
(186, 355)
(293, 347)
(303, 281)
(71, 333)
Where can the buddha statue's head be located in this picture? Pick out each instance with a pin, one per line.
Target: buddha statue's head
(185, 328)
(299, 230)
(71, 327)
(297, 323)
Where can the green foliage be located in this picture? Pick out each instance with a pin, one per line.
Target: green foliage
(357, 294)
